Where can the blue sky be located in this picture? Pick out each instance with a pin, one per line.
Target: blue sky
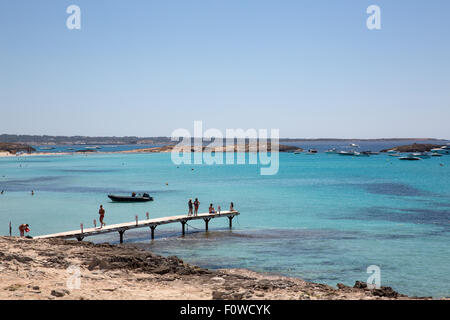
(310, 68)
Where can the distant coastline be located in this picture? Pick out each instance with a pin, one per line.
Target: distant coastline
(130, 140)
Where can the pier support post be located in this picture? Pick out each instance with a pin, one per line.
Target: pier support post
(121, 232)
(206, 223)
(183, 223)
(231, 219)
(153, 231)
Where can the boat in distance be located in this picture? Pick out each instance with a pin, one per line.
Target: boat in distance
(133, 198)
(409, 158)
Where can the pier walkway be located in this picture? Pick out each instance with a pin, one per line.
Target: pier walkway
(81, 233)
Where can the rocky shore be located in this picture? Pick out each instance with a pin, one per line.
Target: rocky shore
(13, 148)
(61, 269)
(415, 147)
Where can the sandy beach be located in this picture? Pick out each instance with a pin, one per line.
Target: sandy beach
(34, 154)
(5, 154)
(47, 270)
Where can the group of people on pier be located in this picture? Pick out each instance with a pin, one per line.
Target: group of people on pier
(193, 207)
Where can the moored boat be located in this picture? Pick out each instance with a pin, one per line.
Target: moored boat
(442, 150)
(421, 155)
(133, 198)
(346, 153)
(410, 158)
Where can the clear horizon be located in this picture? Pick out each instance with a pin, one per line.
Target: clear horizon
(146, 68)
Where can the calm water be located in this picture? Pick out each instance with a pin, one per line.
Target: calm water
(323, 218)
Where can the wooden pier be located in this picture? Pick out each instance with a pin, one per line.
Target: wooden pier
(81, 233)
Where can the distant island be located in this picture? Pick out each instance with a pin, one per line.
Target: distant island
(130, 140)
(229, 148)
(415, 147)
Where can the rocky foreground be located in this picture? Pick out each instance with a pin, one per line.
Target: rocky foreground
(49, 269)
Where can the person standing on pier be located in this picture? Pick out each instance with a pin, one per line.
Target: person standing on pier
(232, 206)
(101, 212)
(196, 205)
(190, 207)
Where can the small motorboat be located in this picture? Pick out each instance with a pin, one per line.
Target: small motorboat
(436, 154)
(331, 151)
(442, 150)
(410, 158)
(346, 153)
(133, 198)
(362, 154)
(421, 155)
(312, 151)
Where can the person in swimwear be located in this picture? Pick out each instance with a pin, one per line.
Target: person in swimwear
(24, 228)
(196, 205)
(190, 206)
(211, 209)
(101, 212)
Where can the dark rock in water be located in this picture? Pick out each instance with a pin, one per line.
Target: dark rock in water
(87, 150)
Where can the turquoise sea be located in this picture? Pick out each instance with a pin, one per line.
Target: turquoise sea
(323, 218)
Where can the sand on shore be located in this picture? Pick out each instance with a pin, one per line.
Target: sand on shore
(7, 154)
(61, 269)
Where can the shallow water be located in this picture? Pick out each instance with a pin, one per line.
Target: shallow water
(323, 218)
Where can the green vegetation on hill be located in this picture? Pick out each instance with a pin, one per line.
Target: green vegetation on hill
(66, 140)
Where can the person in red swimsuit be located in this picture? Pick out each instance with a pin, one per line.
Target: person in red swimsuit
(23, 228)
